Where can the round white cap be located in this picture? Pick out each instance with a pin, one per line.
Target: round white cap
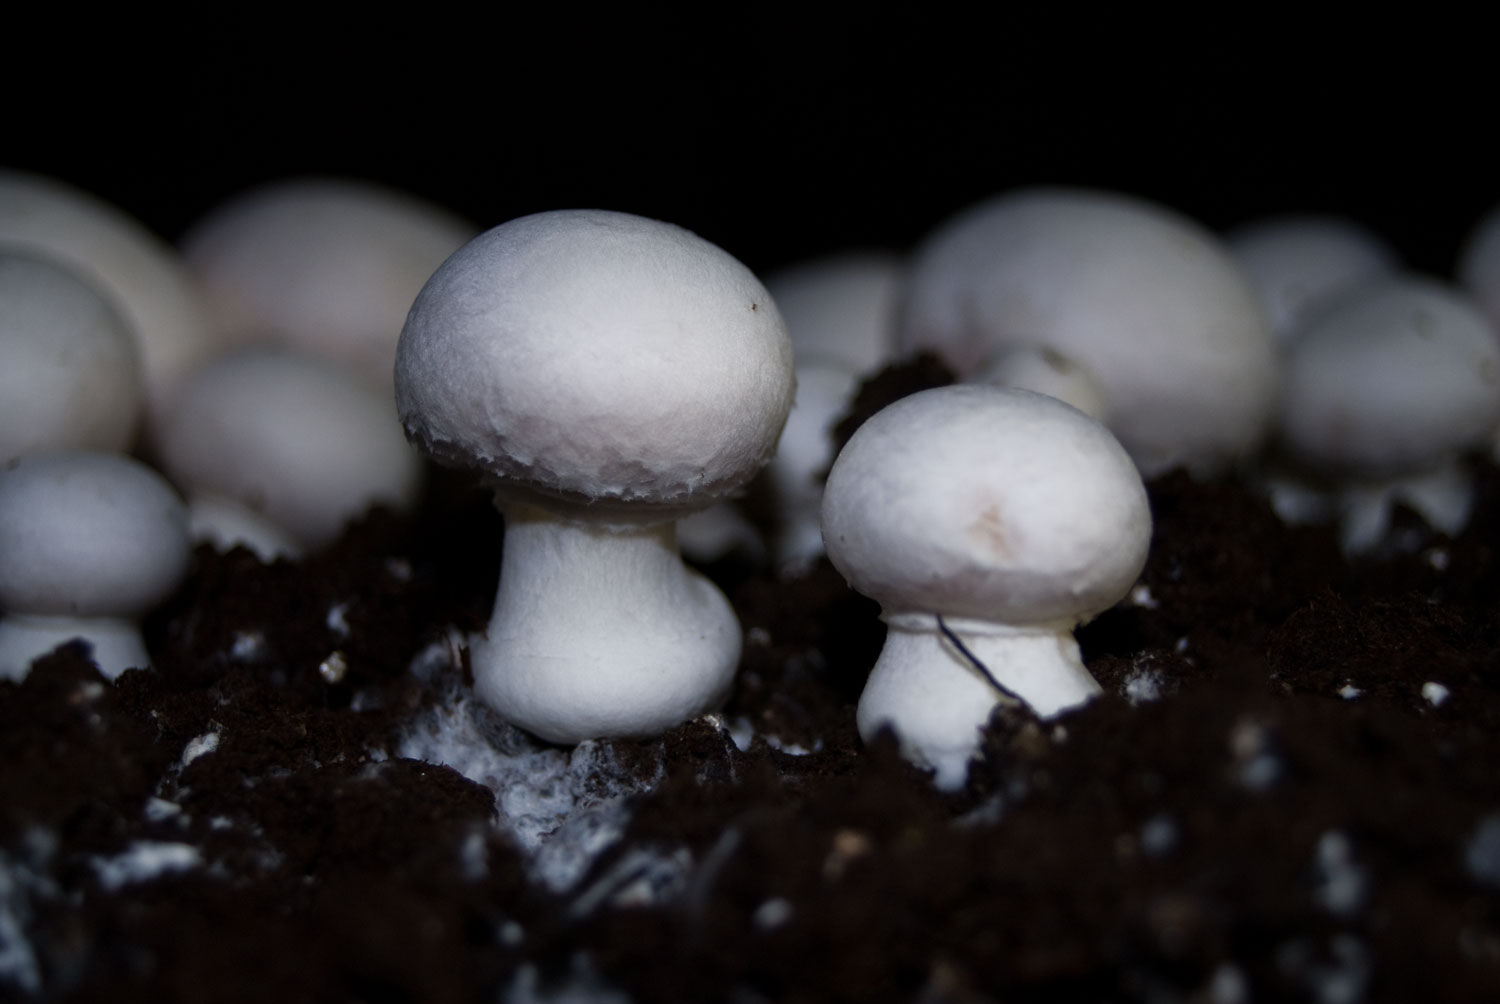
(70, 375)
(1046, 371)
(594, 360)
(995, 504)
(1479, 265)
(143, 276)
(1299, 263)
(299, 440)
(88, 534)
(1391, 378)
(842, 307)
(1148, 301)
(824, 391)
(328, 265)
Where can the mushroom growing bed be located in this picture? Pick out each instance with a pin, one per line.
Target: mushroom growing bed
(1287, 791)
(1288, 788)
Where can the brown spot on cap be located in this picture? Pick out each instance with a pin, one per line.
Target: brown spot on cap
(991, 530)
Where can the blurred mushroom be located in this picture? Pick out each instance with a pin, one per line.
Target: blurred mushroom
(1384, 392)
(143, 276)
(89, 542)
(1147, 302)
(1299, 264)
(278, 450)
(70, 375)
(329, 266)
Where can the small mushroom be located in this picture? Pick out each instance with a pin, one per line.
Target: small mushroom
(840, 312)
(144, 277)
(328, 266)
(278, 450)
(608, 374)
(987, 523)
(89, 542)
(1299, 264)
(1479, 265)
(1046, 371)
(1147, 302)
(1384, 392)
(842, 307)
(806, 447)
(70, 374)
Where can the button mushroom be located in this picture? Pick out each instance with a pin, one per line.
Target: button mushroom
(70, 375)
(840, 312)
(842, 307)
(279, 450)
(987, 523)
(89, 542)
(143, 276)
(1298, 264)
(329, 266)
(1150, 304)
(608, 373)
(1384, 392)
(1479, 265)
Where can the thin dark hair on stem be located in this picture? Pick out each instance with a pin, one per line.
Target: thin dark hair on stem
(963, 649)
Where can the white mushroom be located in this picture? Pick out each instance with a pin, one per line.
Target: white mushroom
(720, 532)
(89, 542)
(70, 374)
(987, 523)
(609, 373)
(1298, 264)
(1479, 265)
(1145, 300)
(803, 454)
(840, 312)
(107, 248)
(842, 307)
(1384, 391)
(329, 266)
(1046, 371)
(266, 438)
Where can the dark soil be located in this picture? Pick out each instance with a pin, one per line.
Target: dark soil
(1271, 802)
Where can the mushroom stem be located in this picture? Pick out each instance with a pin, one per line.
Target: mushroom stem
(601, 631)
(1443, 496)
(936, 699)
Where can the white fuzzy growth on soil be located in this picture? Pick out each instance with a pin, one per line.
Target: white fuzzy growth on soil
(550, 801)
(143, 861)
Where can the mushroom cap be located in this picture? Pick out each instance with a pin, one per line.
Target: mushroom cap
(328, 265)
(795, 474)
(70, 375)
(1298, 263)
(1479, 265)
(112, 250)
(1391, 378)
(842, 307)
(1049, 372)
(593, 360)
(88, 534)
(996, 504)
(297, 439)
(1148, 301)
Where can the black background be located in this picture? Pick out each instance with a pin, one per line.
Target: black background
(781, 135)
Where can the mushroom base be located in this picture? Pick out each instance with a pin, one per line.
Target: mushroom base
(1443, 495)
(601, 632)
(937, 701)
(116, 643)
